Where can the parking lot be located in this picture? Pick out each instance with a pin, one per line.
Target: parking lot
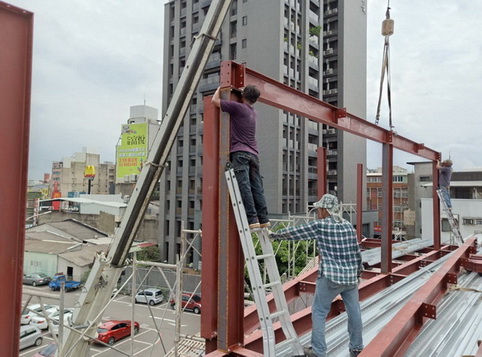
(145, 342)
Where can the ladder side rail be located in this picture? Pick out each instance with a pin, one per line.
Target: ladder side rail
(252, 265)
(282, 311)
(454, 224)
(92, 299)
(278, 293)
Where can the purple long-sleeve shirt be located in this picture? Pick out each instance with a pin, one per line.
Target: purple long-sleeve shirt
(243, 126)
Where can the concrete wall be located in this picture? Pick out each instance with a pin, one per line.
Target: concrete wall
(34, 262)
(462, 208)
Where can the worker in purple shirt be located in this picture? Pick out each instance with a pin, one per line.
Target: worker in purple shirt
(445, 175)
(339, 272)
(244, 153)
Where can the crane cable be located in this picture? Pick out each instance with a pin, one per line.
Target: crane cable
(387, 31)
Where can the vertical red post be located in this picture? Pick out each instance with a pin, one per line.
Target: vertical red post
(436, 208)
(16, 32)
(387, 208)
(210, 246)
(321, 169)
(359, 202)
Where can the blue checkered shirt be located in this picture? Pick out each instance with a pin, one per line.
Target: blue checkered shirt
(340, 258)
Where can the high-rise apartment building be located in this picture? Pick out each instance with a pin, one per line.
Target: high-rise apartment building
(317, 47)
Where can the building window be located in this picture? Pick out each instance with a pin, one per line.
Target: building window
(245, 20)
(244, 43)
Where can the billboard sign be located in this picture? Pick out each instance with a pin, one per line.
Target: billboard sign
(132, 152)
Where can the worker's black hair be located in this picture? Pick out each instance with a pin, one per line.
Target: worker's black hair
(251, 93)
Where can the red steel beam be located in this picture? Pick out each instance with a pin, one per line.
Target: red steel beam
(16, 33)
(396, 336)
(282, 96)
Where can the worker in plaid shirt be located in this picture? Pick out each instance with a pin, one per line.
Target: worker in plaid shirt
(340, 269)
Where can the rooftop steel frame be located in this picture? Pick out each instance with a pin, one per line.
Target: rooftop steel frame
(221, 323)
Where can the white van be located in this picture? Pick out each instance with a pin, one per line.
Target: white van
(150, 296)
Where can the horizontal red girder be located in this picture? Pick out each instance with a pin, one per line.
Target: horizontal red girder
(284, 97)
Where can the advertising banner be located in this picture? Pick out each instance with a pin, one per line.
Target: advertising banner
(132, 152)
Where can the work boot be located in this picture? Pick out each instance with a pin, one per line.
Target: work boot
(266, 224)
(354, 353)
(254, 225)
(309, 352)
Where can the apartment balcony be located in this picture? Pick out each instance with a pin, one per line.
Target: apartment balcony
(208, 84)
(311, 149)
(313, 83)
(329, 92)
(331, 12)
(214, 61)
(313, 62)
(314, 18)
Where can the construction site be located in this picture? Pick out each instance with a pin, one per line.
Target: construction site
(419, 297)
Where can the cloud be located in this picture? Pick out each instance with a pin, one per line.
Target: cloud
(435, 71)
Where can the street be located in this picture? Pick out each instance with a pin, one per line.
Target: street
(146, 342)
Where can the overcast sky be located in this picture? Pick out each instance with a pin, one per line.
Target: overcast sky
(94, 59)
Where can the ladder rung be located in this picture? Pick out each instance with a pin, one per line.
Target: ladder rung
(264, 256)
(278, 314)
(270, 285)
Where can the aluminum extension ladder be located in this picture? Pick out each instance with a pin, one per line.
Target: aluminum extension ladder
(454, 223)
(266, 318)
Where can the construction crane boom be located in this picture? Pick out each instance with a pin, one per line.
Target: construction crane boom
(108, 266)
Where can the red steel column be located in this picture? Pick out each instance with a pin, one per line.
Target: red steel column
(359, 202)
(387, 208)
(436, 208)
(321, 170)
(210, 246)
(230, 259)
(16, 32)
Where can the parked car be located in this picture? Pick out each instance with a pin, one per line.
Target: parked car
(57, 280)
(190, 302)
(149, 296)
(55, 320)
(26, 317)
(47, 351)
(35, 279)
(37, 308)
(38, 317)
(30, 336)
(114, 330)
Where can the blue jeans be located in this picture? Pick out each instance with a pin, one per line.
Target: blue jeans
(446, 195)
(250, 182)
(326, 291)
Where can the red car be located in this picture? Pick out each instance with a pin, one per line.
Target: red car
(190, 302)
(113, 330)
